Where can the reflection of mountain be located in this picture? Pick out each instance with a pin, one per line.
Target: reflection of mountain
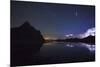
(25, 42)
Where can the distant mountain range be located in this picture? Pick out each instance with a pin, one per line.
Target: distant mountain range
(90, 39)
(87, 37)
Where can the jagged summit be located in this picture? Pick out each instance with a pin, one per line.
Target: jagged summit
(26, 23)
(27, 26)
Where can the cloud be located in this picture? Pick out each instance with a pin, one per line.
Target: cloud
(69, 35)
(89, 32)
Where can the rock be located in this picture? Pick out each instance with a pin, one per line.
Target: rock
(26, 41)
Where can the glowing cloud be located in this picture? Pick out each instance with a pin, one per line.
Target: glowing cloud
(88, 33)
(69, 35)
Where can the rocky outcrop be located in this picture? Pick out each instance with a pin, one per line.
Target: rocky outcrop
(26, 41)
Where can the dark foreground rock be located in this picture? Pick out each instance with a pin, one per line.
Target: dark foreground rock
(26, 41)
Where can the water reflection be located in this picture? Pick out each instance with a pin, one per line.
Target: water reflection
(68, 45)
(61, 52)
(90, 47)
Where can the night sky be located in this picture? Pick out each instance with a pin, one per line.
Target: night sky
(53, 20)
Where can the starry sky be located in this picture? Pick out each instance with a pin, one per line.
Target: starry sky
(53, 20)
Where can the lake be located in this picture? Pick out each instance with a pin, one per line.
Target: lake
(65, 52)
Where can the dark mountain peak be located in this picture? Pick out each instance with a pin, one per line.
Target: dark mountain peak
(26, 41)
(26, 24)
(90, 36)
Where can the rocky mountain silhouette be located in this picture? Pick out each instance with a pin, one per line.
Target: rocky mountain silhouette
(90, 39)
(26, 41)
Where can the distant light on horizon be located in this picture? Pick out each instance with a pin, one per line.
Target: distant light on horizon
(48, 38)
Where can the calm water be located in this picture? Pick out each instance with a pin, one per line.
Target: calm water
(60, 52)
